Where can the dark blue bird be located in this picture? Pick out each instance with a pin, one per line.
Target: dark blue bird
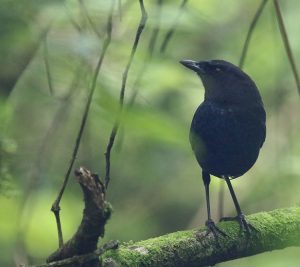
(228, 128)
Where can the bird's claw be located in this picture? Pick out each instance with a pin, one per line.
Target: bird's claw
(244, 224)
(212, 228)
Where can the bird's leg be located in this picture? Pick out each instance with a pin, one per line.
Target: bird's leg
(244, 224)
(211, 227)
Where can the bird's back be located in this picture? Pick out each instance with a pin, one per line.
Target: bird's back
(226, 138)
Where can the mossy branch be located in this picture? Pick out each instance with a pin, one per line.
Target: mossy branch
(276, 229)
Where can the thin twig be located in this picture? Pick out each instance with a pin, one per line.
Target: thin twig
(250, 31)
(24, 59)
(76, 25)
(287, 44)
(146, 63)
(151, 46)
(47, 66)
(173, 27)
(155, 31)
(90, 21)
(122, 92)
(55, 207)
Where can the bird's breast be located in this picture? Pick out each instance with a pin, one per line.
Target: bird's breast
(226, 139)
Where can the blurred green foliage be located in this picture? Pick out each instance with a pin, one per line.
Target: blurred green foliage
(156, 185)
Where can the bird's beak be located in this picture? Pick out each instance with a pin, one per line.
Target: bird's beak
(191, 64)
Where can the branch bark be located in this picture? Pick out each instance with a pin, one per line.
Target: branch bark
(276, 229)
(95, 215)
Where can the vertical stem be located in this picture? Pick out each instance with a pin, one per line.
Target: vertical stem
(250, 31)
(122, 92)
(287, 44)
(47, 67)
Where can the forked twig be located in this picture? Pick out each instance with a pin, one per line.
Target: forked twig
(55, 207)
(287, 44)
(173, 27)
(122, 92)
(71, 19)
(89, 19)
(250, 31)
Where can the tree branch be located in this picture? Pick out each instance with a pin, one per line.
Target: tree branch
(95, 215)
(276, 229)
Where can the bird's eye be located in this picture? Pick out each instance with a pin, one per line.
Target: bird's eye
(218, 69)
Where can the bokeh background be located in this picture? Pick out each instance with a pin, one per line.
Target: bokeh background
(156, 186)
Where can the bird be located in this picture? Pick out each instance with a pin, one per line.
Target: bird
(228, 129)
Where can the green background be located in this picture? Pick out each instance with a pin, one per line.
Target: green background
(156, 184)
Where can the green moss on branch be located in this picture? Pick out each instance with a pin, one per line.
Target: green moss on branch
(277, 229)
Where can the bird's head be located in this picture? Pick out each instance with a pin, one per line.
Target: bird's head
(224, 82)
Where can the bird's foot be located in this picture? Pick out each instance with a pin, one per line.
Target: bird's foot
(244, 224)
(212, 228)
